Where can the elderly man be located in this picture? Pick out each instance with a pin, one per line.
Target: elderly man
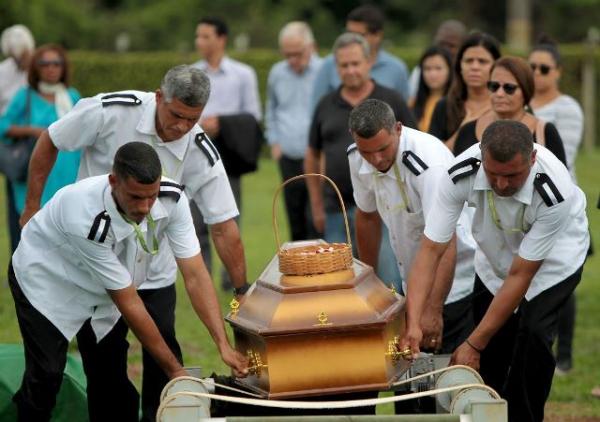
(387, 70)
(532, 238)
(287, 118)
(17, 45)
(166, 120)
(330, 137)
(77, 264)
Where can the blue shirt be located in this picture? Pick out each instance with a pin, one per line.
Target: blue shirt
(41, 114)
(288, 110)
(388, 71)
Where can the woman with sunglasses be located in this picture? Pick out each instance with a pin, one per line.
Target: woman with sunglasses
(511, 86)
(468, 97)
(434, 82)
(550, 104)
(33, 108)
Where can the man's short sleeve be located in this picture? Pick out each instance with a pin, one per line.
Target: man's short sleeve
(544, 232)
(363, 196)
(440, 222)
(180, 231)
(79, 127)
(101, 263)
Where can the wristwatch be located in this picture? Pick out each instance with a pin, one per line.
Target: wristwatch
(241, 290)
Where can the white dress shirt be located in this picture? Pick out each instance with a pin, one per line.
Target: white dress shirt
(547, 222)
(79, 246)
(421, 162)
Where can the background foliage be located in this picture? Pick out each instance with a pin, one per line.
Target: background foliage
(170, 25)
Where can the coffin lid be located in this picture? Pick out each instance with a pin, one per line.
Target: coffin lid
(353, 299)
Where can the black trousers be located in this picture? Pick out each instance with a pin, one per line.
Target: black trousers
(107, 367)
(45, 359)
(518, 361)
(566, 331)
(297, 203)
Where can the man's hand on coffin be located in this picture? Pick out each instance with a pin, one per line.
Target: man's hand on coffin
(235, 360)
(411, 341)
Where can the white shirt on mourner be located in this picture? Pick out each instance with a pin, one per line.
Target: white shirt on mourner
(545, 220)
(78, 246)
(422, 161)
(99, 125)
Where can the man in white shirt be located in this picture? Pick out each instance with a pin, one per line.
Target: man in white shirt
(234, 100)
(80, 260)
(395, 173)
(532, 238)
(167, 121)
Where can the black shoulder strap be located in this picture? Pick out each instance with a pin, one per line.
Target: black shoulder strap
(413, 163)
(351, 148)
(547, 189)
(171, 190)
(120, 99)
(464, 168)
(208, 148)
(100, 225)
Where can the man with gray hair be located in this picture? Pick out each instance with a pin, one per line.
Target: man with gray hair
(287, 118)
(166, 120)
(17, 45)
(329, 138)
(532, 238)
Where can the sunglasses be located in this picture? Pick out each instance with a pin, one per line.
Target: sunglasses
(45, 63)
(494, 86)
(544, 68)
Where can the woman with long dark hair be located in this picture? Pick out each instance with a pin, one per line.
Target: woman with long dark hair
(511, 87)
(434, 82)
(468, 97)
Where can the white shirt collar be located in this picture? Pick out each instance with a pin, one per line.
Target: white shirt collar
(122, 228)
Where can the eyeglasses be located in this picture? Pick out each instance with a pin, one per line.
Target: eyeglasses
(544, 68)
(494, 86)
(46, 63)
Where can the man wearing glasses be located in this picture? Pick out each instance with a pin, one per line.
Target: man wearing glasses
(532, 238)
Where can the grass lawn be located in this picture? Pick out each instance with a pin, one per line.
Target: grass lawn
(570, 398)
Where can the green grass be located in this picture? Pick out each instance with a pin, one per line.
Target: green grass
(570, 395)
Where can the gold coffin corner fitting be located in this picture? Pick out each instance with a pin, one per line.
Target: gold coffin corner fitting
(396, 354)
(255, 365)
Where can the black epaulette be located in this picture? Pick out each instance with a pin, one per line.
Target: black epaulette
(547, 189)
(464, 168)
(120, 99)
(170, 189)
(100, 225)
(351, 148)
(413, 163)
(207, 147)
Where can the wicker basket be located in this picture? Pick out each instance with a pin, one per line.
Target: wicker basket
(318, 258)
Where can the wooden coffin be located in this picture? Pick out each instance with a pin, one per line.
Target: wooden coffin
(319, 334)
